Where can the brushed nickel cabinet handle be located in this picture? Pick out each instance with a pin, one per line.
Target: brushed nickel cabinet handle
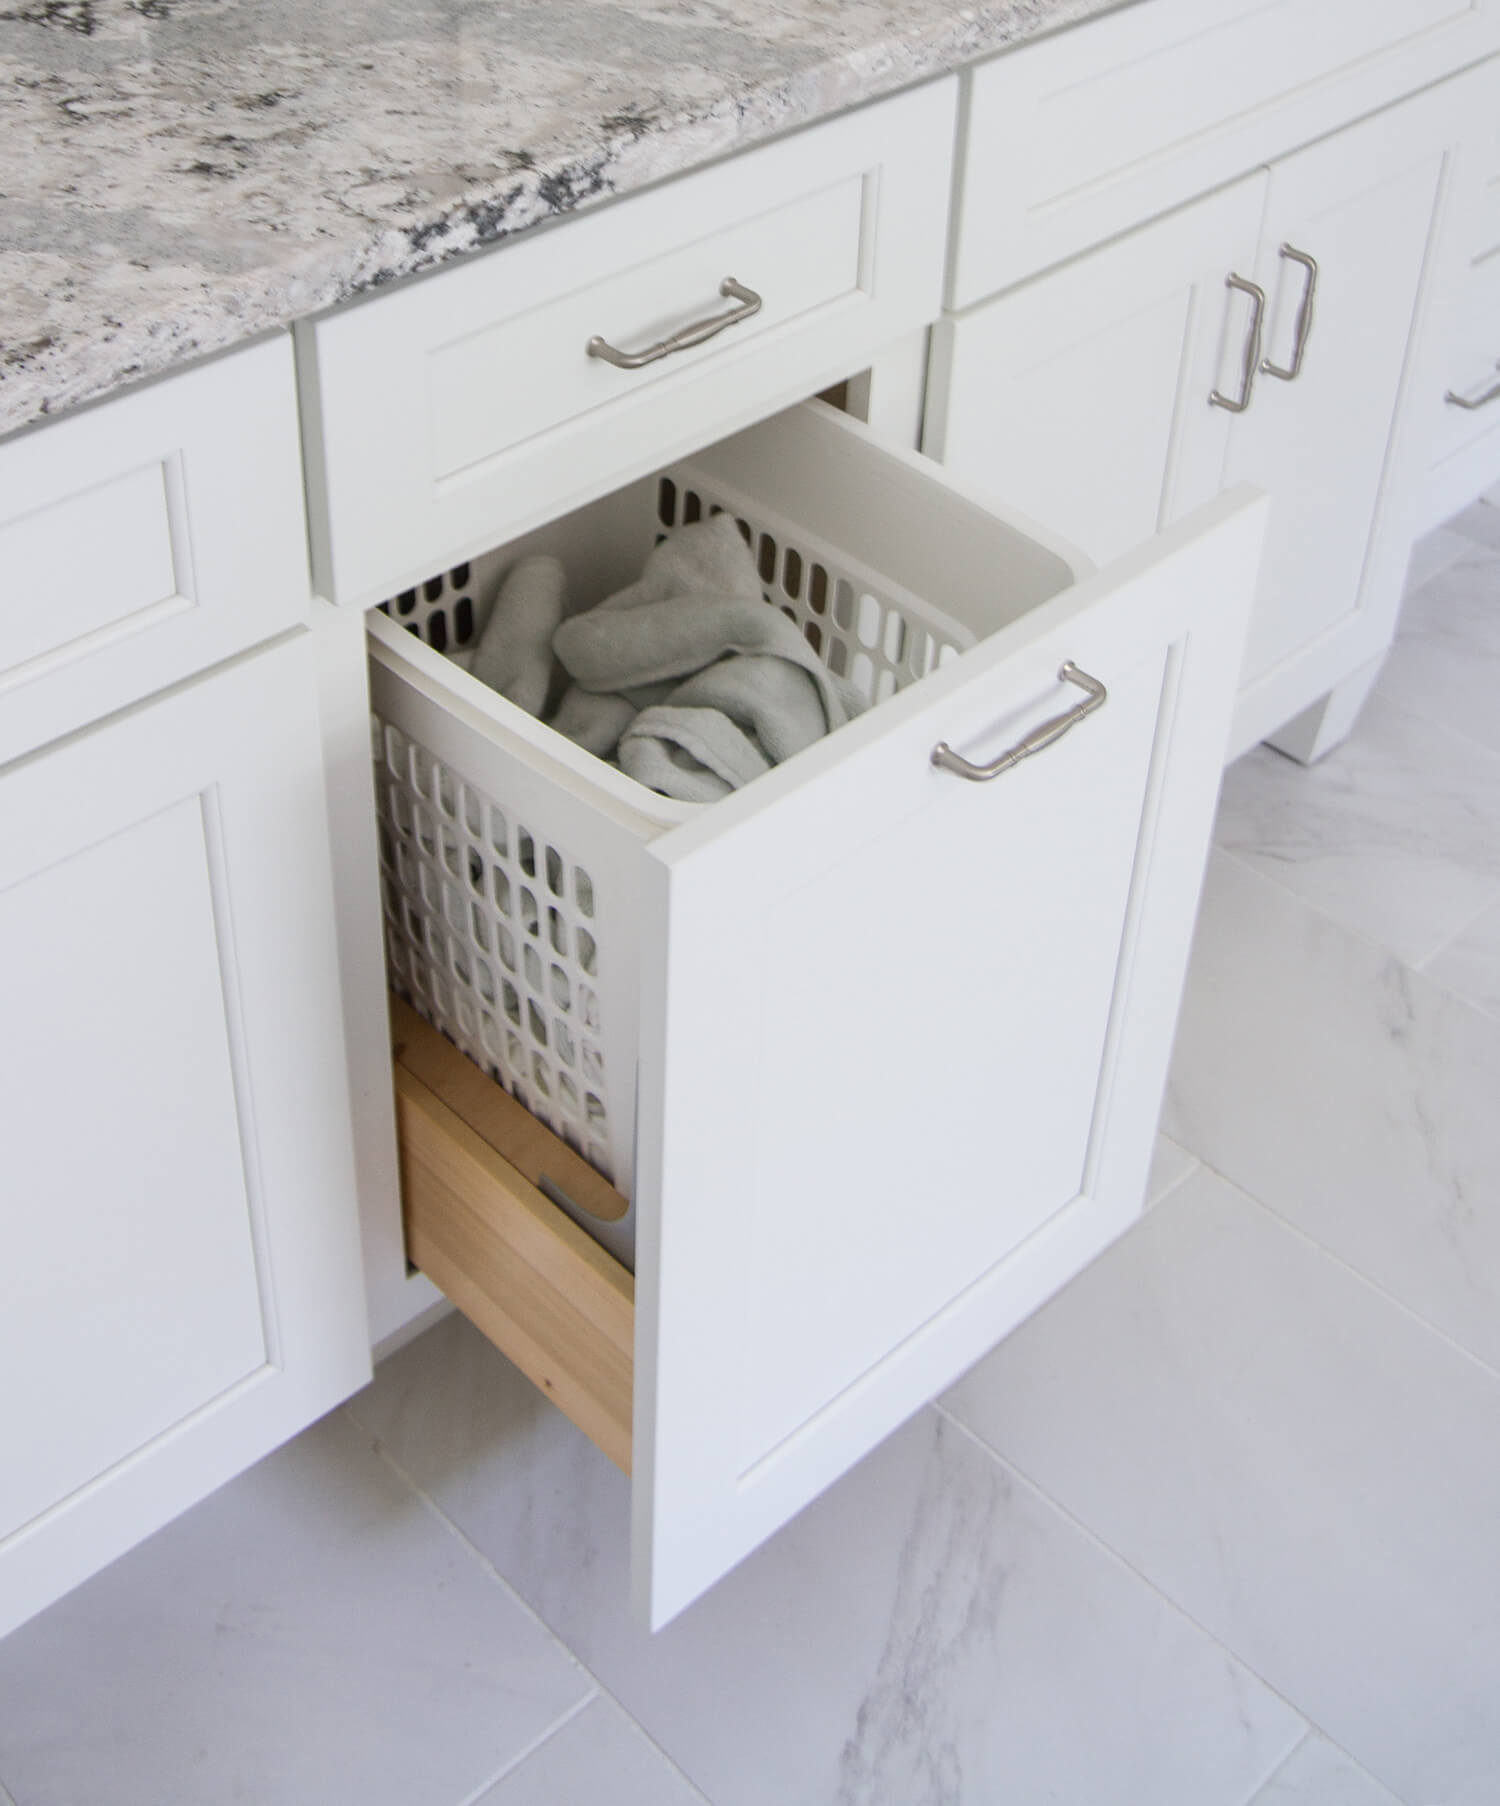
(1474, 403)
(1252, 346)
(749, 303)
(1046, 733)
(1304, 315)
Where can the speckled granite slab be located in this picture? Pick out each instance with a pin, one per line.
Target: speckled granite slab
(179, 175)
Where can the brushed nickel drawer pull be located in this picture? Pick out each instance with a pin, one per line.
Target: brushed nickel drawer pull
(1455, 400)
(749, 303)
(1252, 346)
(1043, 735)
(1304, 315)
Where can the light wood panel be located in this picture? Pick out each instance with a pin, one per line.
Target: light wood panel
(520, 1270)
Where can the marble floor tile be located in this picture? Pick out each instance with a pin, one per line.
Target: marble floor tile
(309, 1633)
(1170, 1165)
(1480, 522)
(1317, 1774)
(1396, 832)
(1469, 966)
(597, 1756)
(1445, 663)
(1433, 553)
(1353, 1096)
(930, 1630)
(1309, 1472)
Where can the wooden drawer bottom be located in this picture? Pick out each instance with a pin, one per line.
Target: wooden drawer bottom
(481, 1229)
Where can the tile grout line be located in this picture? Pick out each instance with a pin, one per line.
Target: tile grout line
(1091, 1535)
(1410, 1311)
(467, 1543)
(1361, 935)
(537, 1743)
(1457, 935)
(1161, 1197)
(1285, 1762)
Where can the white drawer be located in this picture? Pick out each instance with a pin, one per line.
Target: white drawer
(468, 405)
(147, 539)
(892, 1041)
(1080, 136)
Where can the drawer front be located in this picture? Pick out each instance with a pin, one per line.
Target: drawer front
(147, 539)
(951, 1007)
(1074, 139)
(466, 409)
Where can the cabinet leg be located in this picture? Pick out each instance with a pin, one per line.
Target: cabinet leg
(1327, 723)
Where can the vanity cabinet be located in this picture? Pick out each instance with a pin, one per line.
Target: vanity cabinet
(899, 1027)
(180, 1290)
(1259, 335)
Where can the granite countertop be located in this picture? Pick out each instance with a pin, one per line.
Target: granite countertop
(177, 176)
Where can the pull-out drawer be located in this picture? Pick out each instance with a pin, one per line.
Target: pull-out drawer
(147, 539)
(903, 1026)
(475, 404)
(1086, 134)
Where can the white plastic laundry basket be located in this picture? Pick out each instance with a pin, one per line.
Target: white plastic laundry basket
(507, 853)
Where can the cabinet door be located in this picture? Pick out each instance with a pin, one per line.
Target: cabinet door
(1462, 398)
(900, 1065)
(180, 1288)
(1082, 397)
(1361, 205)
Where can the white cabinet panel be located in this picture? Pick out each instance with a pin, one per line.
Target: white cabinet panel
(146, 539)
(1087, 133)
(890, 1019)
(488, 416)
(1362, 206)
(1082, 398)
(181, 1286)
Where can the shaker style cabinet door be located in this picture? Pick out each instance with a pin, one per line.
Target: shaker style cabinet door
(1081, 397)
(900, 1062)
(181, 1285)
(1343, 249)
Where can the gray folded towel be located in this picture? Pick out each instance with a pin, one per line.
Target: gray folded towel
(686, 675)
(514, 653)
(753, 691)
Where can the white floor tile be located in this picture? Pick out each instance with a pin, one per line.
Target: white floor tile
(1317, 1774)
(1353, 1096)
(1170, 1165)
(1469, 966)
(930, 1630)
(1445, 664)
(1433, 553)
(597, 1756)
(1481, 522)
(1396, 833)
(1308, 1471)
(310, 1633)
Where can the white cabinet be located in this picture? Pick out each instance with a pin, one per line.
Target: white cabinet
(1123, 352)
(902, 1032)
(180, 1289)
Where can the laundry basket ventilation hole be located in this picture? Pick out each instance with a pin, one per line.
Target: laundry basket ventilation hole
(491, 934)
(856, 633)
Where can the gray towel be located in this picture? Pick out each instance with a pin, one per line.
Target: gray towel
(514, 653)
(700, 684)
